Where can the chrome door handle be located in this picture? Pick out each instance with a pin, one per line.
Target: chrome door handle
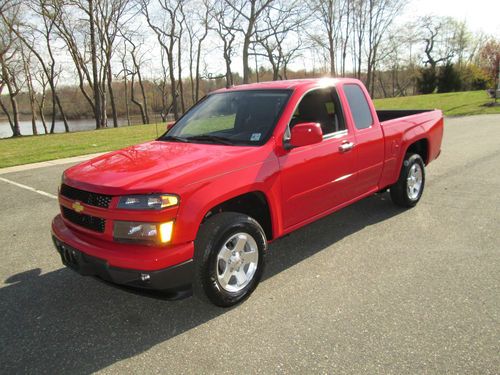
(347, 146)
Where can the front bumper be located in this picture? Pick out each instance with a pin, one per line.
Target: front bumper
(123, 264)
(171, 279)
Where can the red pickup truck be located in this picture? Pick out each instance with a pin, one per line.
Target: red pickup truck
(195, 209)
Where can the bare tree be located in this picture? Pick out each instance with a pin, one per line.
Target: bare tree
(10, 72)
(26, 59)
(226, 25)
(28, 34)
(381, 14)
(345, 30)
(90, 10)
(181, 20)
(9, 64)
(438, 38)
(250, 12)
(167, 35)
(41, 79)
(197, 29)
(70, 30)
(359, 21)
(280, 22)
(110, 15)
(137, 60)
(125, 73)
(330, 14)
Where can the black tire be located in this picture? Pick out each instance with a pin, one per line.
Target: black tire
(212, 236)
(399, 191)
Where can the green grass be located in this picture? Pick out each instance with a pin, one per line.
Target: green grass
(31, 149)
(452, 104)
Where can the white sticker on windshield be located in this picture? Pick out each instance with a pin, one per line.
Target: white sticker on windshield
(255, 137)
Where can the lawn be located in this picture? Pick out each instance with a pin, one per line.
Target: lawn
(452, 104)
(31, 149)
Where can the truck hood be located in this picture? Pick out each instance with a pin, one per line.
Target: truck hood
(160, 167)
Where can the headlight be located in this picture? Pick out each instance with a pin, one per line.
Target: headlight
(145, 233)
(148, 202)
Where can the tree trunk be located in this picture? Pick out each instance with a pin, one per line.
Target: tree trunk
(31, 92)
(51, 76)
(172, 85)
(16, 131)
(229, 73)
(41, 106)
(14, 120)
(95, 78)
(179, 63)
(194, 96)
(331, 52)
(42, 117)
(9, 118)
(246, 68)
(198, 58)
(144, 97)
(53, 121)
(112, 96)
(127, 109)
(136, 102)
(62, 113)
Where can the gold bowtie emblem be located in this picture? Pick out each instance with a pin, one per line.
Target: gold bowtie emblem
(77, 207)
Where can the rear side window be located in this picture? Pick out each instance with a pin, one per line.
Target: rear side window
(359, 106)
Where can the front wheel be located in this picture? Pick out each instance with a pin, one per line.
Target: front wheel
(407, 191)
(229, 258)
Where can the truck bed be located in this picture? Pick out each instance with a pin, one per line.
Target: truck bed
(391, 114)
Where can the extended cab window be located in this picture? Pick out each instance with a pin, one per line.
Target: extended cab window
(359, 106)
(320, 106)
(233, 117)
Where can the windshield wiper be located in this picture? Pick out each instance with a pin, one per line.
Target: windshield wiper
(211, 138)
(173, 138)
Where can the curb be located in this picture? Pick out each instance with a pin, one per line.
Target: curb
(49, 163)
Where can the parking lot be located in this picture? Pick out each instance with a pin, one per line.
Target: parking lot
(370, 289)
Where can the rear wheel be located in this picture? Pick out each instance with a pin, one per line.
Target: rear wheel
(229, 258)
(407, 191)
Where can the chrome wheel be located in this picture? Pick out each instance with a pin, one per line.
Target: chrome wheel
(414, 181)
(237, 262)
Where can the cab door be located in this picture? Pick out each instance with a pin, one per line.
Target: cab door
(369, 139)
(318, 177)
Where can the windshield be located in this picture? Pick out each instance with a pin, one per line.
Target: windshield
(233, 117)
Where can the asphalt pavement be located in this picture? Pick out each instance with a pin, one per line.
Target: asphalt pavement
(372, 289)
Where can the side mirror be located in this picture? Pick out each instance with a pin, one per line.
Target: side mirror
(170, 124)
(305, 133)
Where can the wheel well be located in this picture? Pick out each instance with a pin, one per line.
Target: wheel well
(421, 148)
(253, 204)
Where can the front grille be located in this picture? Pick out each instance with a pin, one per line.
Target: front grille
(96, 224)
(87, 197)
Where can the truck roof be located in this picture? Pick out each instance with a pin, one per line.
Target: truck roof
(286, 84)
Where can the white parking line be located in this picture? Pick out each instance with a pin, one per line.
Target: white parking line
(29, 188)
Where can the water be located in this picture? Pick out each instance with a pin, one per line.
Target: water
(74, 125)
